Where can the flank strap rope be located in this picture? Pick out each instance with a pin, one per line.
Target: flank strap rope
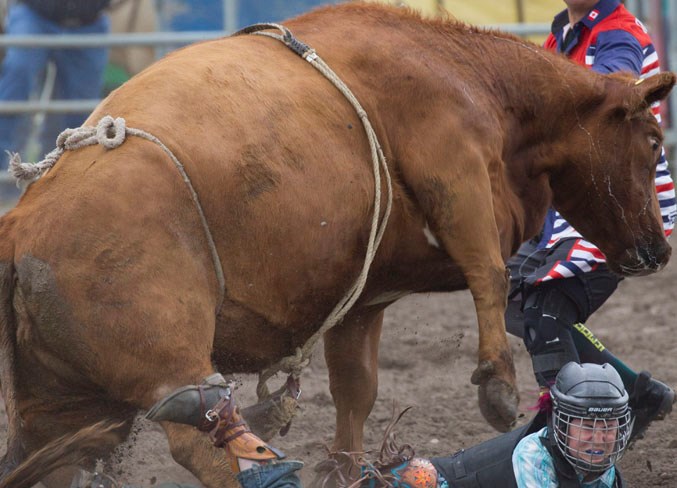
(111, 133)
(295, 363)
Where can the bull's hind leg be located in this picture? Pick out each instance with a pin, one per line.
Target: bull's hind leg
(190, 447)
(195, 452)
(50, 417)
(116, 354)
(351, 351)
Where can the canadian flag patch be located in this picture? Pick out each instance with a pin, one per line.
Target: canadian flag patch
(593, 14)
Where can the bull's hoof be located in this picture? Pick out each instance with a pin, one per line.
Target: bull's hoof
(498, 403)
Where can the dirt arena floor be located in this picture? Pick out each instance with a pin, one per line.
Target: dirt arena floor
(427, 355)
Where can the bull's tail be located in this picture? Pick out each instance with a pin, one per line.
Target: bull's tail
(69, 450)
(14, 454)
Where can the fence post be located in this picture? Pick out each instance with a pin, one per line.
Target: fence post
(230, 13)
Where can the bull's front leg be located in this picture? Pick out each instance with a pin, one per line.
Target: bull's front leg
(495, 373)
(460, 211)
(351, 351)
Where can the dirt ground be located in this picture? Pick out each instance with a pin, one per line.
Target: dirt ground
(427, 355)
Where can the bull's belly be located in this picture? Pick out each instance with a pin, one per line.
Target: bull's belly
(247, 342)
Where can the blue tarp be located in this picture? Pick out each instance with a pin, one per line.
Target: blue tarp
(192, 15)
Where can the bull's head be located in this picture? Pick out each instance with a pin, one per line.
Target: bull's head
(605, 186)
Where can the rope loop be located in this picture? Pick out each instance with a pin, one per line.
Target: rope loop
(295, 363)
(110, 132)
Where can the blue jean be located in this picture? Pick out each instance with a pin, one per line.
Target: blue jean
(79, 75)
(278, 475)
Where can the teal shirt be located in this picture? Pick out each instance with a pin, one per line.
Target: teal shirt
(534, 468)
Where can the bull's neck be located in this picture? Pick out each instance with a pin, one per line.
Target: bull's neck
(540, 104)
(541, 99)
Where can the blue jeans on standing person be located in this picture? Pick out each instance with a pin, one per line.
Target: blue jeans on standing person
(79, 75)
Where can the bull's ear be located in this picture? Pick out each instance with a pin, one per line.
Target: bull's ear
(656, 87)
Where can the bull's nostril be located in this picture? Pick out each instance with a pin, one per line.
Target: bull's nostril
(654, 256)
(663, 253)
(647, 256)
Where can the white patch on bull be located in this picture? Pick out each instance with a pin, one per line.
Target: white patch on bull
(388, 297)
(430, 237)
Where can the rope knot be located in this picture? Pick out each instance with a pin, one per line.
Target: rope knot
(110, 132)
(294, 364)
(65, 138)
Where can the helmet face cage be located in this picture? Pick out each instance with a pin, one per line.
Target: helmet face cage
(592, 443)
(590, 422)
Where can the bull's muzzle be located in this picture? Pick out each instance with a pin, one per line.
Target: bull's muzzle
(645, 258)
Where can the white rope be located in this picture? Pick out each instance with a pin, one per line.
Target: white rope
(111, 133)
(295, 363)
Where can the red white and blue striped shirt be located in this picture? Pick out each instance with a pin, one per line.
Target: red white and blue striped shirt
(607, 40)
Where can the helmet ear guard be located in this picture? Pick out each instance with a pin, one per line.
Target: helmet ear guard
(591, 421)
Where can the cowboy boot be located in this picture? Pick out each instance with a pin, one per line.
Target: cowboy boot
(189, 404)
(211, 408)
(274, 414)
(266, 418)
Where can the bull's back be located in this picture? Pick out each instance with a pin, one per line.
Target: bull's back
(279, 161)
(277, 156)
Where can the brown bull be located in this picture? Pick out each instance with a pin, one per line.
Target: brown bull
(108, 287)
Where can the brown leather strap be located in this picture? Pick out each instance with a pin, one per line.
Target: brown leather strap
(221, 431)
(206, 423)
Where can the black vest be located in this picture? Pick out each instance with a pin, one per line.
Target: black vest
(489, 464)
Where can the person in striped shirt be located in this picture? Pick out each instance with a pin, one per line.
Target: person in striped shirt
(559, 279)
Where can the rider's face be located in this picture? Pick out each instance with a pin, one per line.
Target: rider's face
(592, 440)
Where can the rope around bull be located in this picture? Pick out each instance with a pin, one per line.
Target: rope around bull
(111, 133)
(294, 364)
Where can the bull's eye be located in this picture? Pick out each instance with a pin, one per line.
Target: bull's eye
(655, 143)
